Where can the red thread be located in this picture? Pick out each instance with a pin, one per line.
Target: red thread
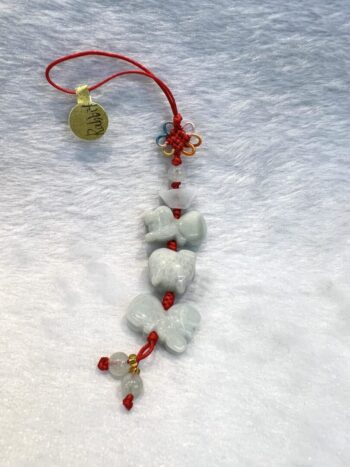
(172, 245)
(177, 121)
(177, 213)
(103, 364)
(176, 160)
(144, 72)
(148, 348)
(128, 401)
(168, 300)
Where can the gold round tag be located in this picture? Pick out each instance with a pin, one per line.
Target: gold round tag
(88, 121)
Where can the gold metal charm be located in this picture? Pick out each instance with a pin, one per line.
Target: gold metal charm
(87, 119)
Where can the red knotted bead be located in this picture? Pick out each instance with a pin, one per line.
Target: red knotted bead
(168, 300)
(128, 401)
(103, 364)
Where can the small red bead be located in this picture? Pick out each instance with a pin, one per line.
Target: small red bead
(175, 185)
(128, 401)
(103, 364)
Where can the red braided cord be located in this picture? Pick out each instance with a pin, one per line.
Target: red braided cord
(169, 296)
(168, 300)
(172, 245)
(176, 160)
(144, 72)
(148, 348)
(177, 213)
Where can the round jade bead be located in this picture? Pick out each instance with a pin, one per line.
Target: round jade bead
(176, 174)
(118, 365)
(180, 198)
(132, 384)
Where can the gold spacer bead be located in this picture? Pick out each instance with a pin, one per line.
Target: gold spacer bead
(132, 360)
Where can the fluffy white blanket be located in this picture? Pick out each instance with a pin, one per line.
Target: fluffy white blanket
(265, 382)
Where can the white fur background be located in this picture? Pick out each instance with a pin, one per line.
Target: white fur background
(266, 380)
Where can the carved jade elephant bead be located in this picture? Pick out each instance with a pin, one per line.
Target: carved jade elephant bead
(174, 327)
(172, 270)
(162, 226)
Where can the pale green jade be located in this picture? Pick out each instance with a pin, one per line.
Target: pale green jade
(132, 384)
(118, 365)
(176, 173)
(162, 226)
(192, 227)
(175, 327)
(172, 270)
(180, 198)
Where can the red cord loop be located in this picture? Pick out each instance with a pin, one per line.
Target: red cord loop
(148, 348)
(144, 72)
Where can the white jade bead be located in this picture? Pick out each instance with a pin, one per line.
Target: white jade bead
(144, 312)
(175, 327)
(172, 270)
(132, 384)
(179, 198)
(161, 225)
(118, 365)
(193, 227)
(176, 174)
